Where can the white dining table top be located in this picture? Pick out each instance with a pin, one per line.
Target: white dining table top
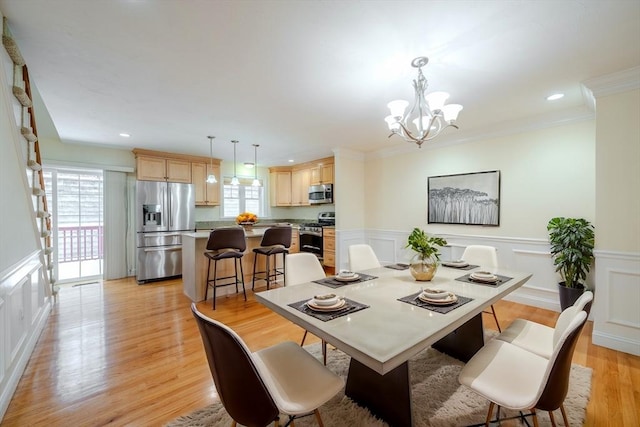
(389, 332)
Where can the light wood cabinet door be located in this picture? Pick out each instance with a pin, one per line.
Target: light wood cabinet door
(151, 168)
(206, 194)
(178, 171)
(329, 247)
(295, 241)
(322, 174)
(281, 188)
(300, 180)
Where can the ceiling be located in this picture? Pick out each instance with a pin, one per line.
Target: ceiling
(303, 78)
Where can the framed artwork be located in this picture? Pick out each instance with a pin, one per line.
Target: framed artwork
(467, 198)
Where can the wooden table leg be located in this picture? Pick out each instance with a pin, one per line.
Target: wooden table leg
(465, 341)
(386, 396)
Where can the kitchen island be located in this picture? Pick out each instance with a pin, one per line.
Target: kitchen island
(194, 263)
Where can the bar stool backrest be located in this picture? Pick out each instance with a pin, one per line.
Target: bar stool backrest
(227, 238)
(279, 235)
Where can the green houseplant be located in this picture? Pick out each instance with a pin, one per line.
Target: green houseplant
(425, 262)
(572, 243)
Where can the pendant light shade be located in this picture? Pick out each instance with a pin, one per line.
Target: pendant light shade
(234, 180)
(256, 181)
(211, 178)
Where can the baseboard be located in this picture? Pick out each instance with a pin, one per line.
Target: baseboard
(616, 343)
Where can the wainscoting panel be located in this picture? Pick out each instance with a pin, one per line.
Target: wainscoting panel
(24, 309)
(617, 301)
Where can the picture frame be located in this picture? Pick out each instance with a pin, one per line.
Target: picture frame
(466, 198)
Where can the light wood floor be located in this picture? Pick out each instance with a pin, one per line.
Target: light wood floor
(119, 353)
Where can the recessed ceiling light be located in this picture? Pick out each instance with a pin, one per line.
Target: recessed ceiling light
(291, 160)
(125, 135)
(248, 165)
(555, 96)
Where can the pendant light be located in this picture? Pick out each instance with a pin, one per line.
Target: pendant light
(234, 180)
(211, 178)
(256, 182)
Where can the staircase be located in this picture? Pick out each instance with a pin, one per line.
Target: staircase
(26, 121)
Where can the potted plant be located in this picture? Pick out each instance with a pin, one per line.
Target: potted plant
(572, 242)
(425, 262)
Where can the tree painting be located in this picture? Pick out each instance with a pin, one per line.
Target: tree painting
(471, 198)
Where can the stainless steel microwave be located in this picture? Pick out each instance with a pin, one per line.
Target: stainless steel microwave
(319, 194)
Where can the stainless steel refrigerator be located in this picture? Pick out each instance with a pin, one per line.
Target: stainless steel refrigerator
(164, 210)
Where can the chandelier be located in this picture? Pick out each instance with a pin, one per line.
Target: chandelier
(429, 115)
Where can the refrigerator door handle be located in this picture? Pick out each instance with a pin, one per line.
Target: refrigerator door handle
(163, 234)
(163, 249)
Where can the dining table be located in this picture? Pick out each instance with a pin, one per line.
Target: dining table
(383, 323)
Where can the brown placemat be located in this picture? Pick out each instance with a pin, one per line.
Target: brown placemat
(333, 283)
(466, 267)
(444, 309)
(467, 278)
(350, 307)
(398, 266)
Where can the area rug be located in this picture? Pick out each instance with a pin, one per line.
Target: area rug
(437, 398)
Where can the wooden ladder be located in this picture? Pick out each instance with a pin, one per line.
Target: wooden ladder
(28, 129)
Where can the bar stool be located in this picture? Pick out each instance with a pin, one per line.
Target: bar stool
(225, 243)
(275, 240)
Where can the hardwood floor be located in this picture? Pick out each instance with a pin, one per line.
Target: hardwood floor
(118, 353)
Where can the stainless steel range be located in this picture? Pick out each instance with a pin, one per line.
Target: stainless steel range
(311, 233)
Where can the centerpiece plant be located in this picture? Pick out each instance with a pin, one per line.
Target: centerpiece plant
(425, 262)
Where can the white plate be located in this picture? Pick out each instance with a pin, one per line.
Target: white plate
(451, 298)
(334, 307)
(348, 278)
(325, 302)
(458, 263)
(489, 278)
(436, 294)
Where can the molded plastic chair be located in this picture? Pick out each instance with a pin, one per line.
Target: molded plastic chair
(514, 378)
(484, 256)
(301, 268)
(362, 257)
(255, 388)
(225, 243)
(276, 240)
(539, 338)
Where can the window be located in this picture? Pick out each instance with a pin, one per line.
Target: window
(242, 198)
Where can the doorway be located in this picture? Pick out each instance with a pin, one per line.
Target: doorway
(76, 200)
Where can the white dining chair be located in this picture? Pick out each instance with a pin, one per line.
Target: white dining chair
(538, 338)
(485, 257)
(300, 268)
(514, 378)
(362, 257)
(256, 387)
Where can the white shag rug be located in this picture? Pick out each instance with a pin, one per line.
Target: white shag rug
(437, 398)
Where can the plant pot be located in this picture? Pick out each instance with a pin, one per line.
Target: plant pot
(423, 269)
(568, 296)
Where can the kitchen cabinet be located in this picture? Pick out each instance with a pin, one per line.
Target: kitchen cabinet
(163, 169)
(300, 181)
(206, 194)
(329, 246)
(295, 241)
(322, 174)
(280, 188)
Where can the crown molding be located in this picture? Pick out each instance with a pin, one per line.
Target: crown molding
(621, 81)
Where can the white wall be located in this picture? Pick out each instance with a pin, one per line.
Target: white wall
(17, 234)
(544, 173)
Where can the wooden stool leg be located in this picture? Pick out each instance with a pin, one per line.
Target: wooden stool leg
(318, 418)
(491, 405)
(303, 338)
(553, 420)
